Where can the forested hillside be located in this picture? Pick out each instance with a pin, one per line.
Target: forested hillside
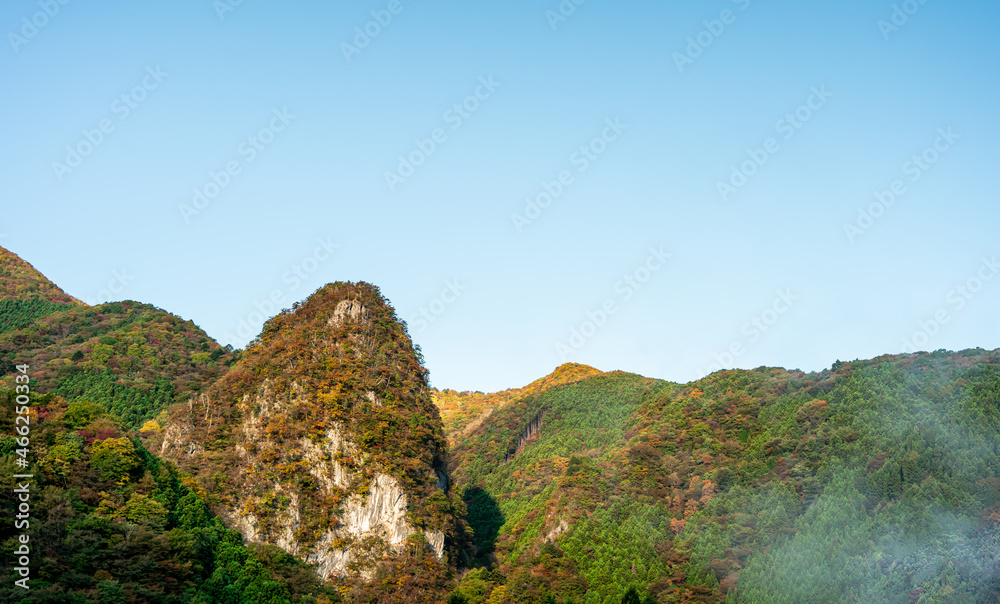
(20, 282)
(875, 481)
(464, 411)
(317, 465)
(134, 358)
(26, 295)
(110, 522)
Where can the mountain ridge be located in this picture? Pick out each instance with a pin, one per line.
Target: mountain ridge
(19, 280)
(664, 477)
(872, 480)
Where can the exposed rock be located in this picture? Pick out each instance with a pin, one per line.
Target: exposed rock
(322, 459)
(377, 518)
(326, 433)
(560, 528)
(436, 540)
(442, 480)
(382, 513)
(177, 441)
(352, 309)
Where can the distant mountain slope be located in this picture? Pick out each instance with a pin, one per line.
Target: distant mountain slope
(20, 281)
(876, 481)
(26, 295)
(543, 464)
(134, 358)
(464, 411)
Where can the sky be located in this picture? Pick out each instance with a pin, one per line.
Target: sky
(662, 188)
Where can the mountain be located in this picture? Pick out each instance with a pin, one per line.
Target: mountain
(110, 522)
(874, 481)
(465, 411)
(25, 294)
(317, 466)
(328, 445)
(19, 282)
(135, 358)
(324, 441)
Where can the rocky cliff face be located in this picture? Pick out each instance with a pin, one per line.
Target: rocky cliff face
(323, 439)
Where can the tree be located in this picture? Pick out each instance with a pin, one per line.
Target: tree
(114, 458)
(146, 511)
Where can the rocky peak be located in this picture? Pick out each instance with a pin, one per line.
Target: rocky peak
(323, 439)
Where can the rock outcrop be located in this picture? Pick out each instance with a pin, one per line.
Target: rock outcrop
(323, 439)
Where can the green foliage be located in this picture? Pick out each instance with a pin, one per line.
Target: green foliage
(876, 481)
(134, 405)
(133, 358)
(114, 458)
(82, 412)
(16, 314)
(146, 511)
(457, 598)
(96, 537)
(632, 597)
(905, 497)
(484, 517)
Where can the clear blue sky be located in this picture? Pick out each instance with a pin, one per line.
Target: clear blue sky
(198, 86)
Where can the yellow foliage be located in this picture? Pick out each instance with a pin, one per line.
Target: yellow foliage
(192, 484)
(498, 595)
(114, 458)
